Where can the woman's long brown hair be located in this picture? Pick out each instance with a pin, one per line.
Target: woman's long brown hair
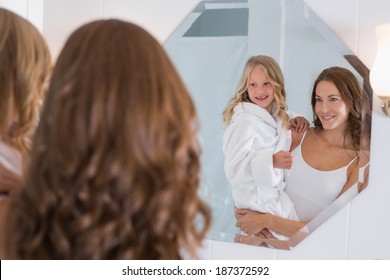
(115, 163)
(25, 66)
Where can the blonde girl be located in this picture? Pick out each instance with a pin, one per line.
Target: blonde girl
(257, 140)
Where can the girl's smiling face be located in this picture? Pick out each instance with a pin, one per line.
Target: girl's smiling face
(260, 90)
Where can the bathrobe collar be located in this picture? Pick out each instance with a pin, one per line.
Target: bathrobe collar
(252, 111)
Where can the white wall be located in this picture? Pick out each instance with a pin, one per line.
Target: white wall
(30, 9)
(157, 16)
(359, 231)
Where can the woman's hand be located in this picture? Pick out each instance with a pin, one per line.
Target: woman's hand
(265, 233)
(300, 124)
(239, 213)
(282, 160)
(251, 222)
(256, 223)
(259, 241)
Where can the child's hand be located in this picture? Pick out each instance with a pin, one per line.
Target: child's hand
(300, 124)
(282, 160)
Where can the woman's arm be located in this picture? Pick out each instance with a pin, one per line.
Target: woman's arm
(260, 241)
(252, 222)
(352, 176)
(363, 185)
(364, 166)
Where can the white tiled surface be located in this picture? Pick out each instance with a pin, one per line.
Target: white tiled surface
(231, 251)
(328, 242)
(61, 18)
(20, 7)
(143, 13)
(371, 14)
(170, 14)
(369, 221)
(359, 231)
(35, 13)
(344, 26)
(32, 10)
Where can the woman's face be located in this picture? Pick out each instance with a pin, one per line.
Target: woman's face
(260, 90)
(330, 107)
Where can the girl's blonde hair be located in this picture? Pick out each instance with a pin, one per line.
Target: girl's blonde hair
(275, 76)
(25, 64)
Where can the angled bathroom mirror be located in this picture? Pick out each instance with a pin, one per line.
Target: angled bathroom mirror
(210, 49)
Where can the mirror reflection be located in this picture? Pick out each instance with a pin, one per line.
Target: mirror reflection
(210, 49)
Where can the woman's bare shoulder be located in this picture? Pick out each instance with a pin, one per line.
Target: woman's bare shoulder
(298, 136)
(364, 158)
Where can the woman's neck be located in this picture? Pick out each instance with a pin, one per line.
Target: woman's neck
(335, 136)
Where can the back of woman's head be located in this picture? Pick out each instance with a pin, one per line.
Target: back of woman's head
(25, 65)
(351, 93)
(115, 166)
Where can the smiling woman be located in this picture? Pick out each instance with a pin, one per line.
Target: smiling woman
(325, 157)
(333, 145)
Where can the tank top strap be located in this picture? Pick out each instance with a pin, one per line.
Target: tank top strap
(303, 137)
(355, 158)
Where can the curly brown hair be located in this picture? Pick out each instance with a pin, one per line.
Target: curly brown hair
(115, 163)
(25, 65)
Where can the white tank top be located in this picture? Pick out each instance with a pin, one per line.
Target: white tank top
(312, 190)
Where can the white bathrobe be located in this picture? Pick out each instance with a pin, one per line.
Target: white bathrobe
(249, 142)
